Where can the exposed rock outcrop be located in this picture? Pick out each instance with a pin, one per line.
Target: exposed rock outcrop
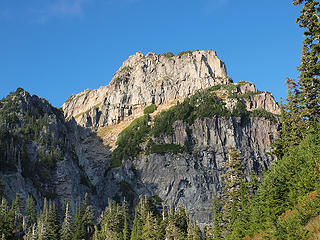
(143, 80)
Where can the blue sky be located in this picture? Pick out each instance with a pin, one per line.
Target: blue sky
(55, 48)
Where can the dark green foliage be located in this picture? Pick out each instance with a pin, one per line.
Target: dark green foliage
(262, 113)
(240, 110)
(292, 183)
(302, 107)
(232, 181)
(150, 109)
(243, 95)
(215, 87)
(127, 191)
(113, 225)
(144, 208)
(152, 147)
(309, 81)
(1, 187)
(217, 227)
(30, 212)
(129, 140)
(83, 222)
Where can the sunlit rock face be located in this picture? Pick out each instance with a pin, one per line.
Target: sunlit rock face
(143, 80)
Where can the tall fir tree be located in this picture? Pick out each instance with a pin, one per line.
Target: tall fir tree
(309, 82)
(83, 222)
(302, 108)
(193, 231)
(151, 228)
(30, 212)
(1, 187)
(66, 228)
(232, 179)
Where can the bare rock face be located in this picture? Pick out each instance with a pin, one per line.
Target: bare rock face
(143, 80)
(190, 178)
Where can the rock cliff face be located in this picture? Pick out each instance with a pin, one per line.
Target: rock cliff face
(189, 179)
(86, 138)
(143, 80)
(38, 151)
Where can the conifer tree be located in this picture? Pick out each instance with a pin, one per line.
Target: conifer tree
(66, 228)
(126, 229)
(1, 186)
(193, 231)
(177, 224)
(302, 109)
(114, 223)
(30, 212)
(140, 216)
(309, 82)
(217, 219)
(83, 223)
(232, 180)
(7, 217)
(151, 228)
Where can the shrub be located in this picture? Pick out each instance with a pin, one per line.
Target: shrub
(215, 88)
(168, 54)
(265, 114)
(150, 109)
(184, 52)
(164, 148)
(128, 143)
(240, 110)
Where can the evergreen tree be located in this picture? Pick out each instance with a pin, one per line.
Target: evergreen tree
(1, 186)
(66, 228)
(151, 228)
(193, 231)
(83, 225)
(114, 223)
(140, 216)
(177, 224)
(232, 180)
(302, 109)
(217, 219)
(126, 229)
(30, 212)
(7, 220)
(309, 82)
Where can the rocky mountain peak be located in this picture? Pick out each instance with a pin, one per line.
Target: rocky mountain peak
(144, 80)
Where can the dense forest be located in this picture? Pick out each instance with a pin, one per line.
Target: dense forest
(285, 204)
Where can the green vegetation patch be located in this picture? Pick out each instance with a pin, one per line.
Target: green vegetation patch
(168, 55)
(150, 109)
(264, 114)
(202, 104)
(128, 143)
(240, 110)
(243, 95)
(163, 148)
(184, 52)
